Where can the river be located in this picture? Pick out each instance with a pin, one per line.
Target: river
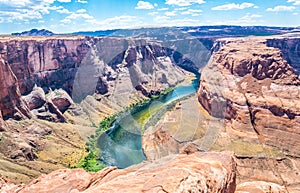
(121, 145)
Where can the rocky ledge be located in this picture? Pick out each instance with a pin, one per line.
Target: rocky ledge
(256, 90)
(197, 172)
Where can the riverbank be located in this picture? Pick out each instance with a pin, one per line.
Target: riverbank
(91, 162)
(121, 145)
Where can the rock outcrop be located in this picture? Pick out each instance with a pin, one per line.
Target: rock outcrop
(23, 144)
(11, 105)
(198, 172)
(256, 90)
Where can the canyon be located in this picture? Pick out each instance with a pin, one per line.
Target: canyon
(54, 88)
(54, 91)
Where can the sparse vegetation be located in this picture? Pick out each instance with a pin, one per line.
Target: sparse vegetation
(90, 163)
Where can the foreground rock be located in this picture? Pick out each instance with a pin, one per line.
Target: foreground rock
(198, 172)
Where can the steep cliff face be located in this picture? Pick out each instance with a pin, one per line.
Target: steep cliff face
(82, 66)
(290, 48)
(11, 103)
(256, 90)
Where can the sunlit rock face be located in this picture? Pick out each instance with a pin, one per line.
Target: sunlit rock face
(198, 172)
(255, 88)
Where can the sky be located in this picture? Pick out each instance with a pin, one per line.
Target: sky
(65, 16)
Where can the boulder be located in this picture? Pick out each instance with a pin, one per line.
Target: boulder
(36, 99)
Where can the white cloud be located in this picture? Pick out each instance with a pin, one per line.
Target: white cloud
(77, 16)
(23, 14)
(163, 9)
(155, 4)
(184, 2)
(64, 1)
(82, 1)
(144, 5)
(27, 9)
(81, 11)
(181, 8)
(281, 8)
(15, 3)
(295, 2)
(153, 13)
(88, 22)
(248, 19)
(233, 6)
(63, 10)
(160, 19)
(123, 21)
(193, 12)
(170, 13)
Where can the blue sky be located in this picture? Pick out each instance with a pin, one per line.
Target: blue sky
(63, 16)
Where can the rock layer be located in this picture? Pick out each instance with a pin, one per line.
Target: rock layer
(198, 172)
(262, 172)
(254, 88)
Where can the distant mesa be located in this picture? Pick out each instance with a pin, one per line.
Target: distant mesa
(35, 32)
(196, 31)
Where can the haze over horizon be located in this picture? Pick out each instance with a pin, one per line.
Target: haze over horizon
(64, 16)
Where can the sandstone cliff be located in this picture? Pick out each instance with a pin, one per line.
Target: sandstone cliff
(198, 172)
(11, 103)
(256, 90)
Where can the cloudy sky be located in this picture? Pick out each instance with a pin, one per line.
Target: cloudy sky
(63, 16)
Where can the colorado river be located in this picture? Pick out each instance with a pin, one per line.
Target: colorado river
(121, 145)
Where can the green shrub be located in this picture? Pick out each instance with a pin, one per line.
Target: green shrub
(90, 163)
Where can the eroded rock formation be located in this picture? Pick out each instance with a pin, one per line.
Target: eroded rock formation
(11, 104)
(256, 90)
(81, 67)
